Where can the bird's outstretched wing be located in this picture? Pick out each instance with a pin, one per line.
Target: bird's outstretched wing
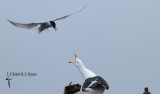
(60, 18)
(8, 79)
(26, 26)
(9, 84)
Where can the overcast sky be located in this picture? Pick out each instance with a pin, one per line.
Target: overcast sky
(117, 39)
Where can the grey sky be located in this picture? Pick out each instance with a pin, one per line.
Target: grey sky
(116, 39)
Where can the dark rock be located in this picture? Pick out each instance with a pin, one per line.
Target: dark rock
(71, 89)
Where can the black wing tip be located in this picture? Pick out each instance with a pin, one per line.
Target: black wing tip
(9, 20)
(107, 88)
(105, 83)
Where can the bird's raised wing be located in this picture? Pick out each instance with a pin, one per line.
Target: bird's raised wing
(60, 18)
(26, 26)
(7, 75)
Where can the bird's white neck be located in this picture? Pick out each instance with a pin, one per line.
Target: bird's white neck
(86, 73)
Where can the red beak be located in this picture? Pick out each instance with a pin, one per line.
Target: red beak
(55, 28)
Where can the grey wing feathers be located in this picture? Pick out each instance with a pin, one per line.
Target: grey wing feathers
(9, 83)
(27, 26)
(94, 81)
(101, 81)
(62, 17)
(70, 14)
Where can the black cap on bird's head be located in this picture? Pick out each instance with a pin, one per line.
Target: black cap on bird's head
(53, 24)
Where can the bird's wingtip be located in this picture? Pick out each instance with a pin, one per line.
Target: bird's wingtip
(9, 20)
